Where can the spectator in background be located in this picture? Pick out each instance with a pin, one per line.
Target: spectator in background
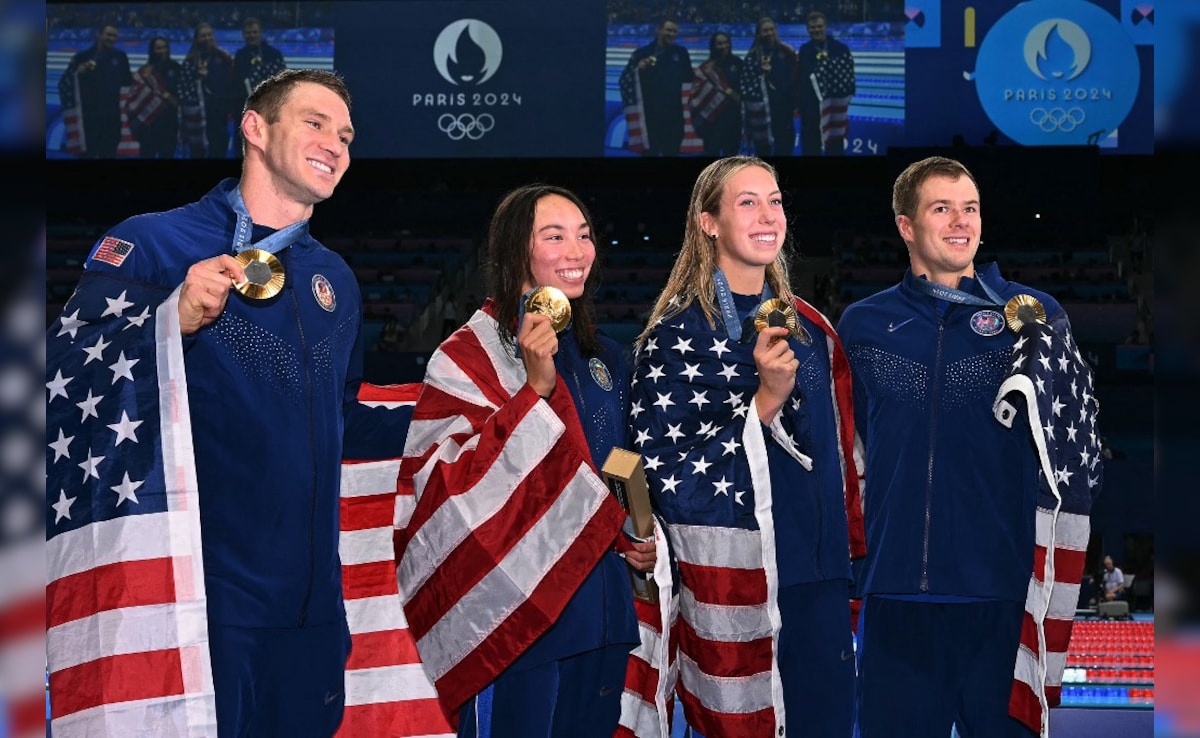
(1114, 581)
(716, 98)
(206, 92)
(769, 89)
(252, 63)
(825, 80)
(154, 104)
(90, 88)
(654, 78)
(392, 337)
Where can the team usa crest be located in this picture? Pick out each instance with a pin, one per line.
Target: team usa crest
(987, 322)
(601, 374)
(323, 291)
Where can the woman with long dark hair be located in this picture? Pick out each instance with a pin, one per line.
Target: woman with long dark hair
(156, 97)
(519, 602)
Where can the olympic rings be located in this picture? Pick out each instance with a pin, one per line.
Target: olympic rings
(465, 125)
(1057, 119)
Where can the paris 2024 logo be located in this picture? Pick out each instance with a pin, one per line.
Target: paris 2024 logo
(1057, 72)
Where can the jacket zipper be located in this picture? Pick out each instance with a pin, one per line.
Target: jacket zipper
(933, 403)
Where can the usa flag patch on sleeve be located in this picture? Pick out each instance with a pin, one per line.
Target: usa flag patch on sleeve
(112, 251)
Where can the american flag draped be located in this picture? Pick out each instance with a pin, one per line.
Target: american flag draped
(707, 468)
(648, 702)
(146, 101)
(635, 113)
(126, 621)
(509, 517)
(1051, 385)
(707, 100)
(632, 99)
(262, 67)
(756, 103)
(387, 691)
(834, 83)
(193, 105)
(76, 126)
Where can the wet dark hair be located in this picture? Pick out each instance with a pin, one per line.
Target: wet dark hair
(508, 267)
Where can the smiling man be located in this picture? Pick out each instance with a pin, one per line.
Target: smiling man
(236, 341)
(950, 494)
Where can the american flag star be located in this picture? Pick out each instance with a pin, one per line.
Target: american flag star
(1034, 393)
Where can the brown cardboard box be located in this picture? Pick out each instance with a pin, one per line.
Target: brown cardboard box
(626, 478)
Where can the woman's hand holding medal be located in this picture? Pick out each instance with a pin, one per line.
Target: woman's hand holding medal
(777, 365)
(539, 344)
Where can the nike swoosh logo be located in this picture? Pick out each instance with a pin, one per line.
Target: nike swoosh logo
(607, 692)
(897, 326)
(331, 696)
(848, 656)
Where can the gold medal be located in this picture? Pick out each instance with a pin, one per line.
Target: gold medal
(777, 313)
(1023, 309)
(551, 302)
(264, 274)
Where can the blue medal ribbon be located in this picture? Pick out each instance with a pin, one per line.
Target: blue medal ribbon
(950, 294)
(274, 243)
(729, 313)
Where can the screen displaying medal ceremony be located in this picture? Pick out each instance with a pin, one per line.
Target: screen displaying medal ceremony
(613, 78)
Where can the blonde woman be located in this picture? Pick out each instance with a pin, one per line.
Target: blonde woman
(747, 440)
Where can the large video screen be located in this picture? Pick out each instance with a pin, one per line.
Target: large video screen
(617, 78)
(106, 97)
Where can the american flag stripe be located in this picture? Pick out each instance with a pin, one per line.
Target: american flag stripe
(109, 542)
(387, 690)
(92, 638)
(835, 118)
(113, 587)
(692, 143)
(739, 722)
(725, 586)
(635, 113)
(145, 103)
(707, 99)
(72, 114)
(478, 535)
(648, 701)
(127, 145)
